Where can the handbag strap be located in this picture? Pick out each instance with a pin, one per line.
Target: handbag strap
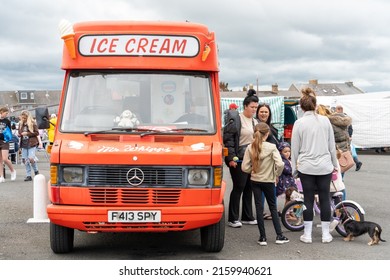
(334, 186)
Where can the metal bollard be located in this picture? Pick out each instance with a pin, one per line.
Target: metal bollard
(41, 200)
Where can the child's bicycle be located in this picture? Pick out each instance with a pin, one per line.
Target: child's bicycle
(292, 214)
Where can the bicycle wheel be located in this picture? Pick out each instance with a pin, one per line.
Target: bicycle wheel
(352, 211)
(292, 216)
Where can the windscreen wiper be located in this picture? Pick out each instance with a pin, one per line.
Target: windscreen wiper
(127, 129)
(146, 131)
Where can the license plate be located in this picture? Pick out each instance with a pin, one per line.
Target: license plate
(134, 216)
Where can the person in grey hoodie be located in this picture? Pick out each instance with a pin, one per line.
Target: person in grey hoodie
(313, 159)
(263, 162)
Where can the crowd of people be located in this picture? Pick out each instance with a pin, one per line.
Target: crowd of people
(263, 165)
(27, 138)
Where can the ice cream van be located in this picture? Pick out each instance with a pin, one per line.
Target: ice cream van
(138, 144)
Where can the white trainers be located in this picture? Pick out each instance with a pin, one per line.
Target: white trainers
(326, 236)
(235, 224)
(254, 222)
(13, 175)
(2, 180)
(305, 239)
(327, 239)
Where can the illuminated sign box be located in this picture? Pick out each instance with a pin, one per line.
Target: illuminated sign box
(138, 45)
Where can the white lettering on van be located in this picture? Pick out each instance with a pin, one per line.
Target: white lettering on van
(148, 149)
(105, 149)
(130, 148)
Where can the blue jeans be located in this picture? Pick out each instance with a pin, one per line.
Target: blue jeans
(28, 158)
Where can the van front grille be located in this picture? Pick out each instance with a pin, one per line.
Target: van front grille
(130, 196)
(116, 176)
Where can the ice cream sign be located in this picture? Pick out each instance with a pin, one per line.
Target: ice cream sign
(138, 45)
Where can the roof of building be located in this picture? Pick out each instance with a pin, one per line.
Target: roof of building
(294, 91)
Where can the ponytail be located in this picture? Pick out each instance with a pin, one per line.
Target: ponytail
(261, 129)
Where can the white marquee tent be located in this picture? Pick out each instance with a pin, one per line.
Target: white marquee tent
(370, 113)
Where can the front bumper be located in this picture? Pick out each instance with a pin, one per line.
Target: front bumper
(95, 219)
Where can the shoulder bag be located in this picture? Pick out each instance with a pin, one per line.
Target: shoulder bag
(7, 133)
(346, 161)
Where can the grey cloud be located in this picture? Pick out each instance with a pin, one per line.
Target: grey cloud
(279, 41)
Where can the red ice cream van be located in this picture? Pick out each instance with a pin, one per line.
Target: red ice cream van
(138, 144)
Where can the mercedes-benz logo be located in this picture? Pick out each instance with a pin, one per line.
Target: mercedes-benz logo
(135, 176)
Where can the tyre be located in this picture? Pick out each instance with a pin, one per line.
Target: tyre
(292, 216)
(352, 211)
(61, 239)
(212, 237)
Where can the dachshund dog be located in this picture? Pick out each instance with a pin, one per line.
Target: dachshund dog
(356, 228)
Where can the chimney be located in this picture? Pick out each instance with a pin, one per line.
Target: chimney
(313, 82)
(275, 88)
(350, 84)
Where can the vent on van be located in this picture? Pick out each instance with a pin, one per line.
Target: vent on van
(134, 196)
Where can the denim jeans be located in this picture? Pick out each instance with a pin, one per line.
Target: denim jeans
(28, 158)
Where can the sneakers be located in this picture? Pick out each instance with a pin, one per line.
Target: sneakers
(235, 224)
(254, 222)
(327, 239)
(281, 239)
(28, 178)
(326, 236)
(305, 239)
(36, 172)
(2, 180)
(358, 166)
(13, 175)
(262, 241)
(333, 225)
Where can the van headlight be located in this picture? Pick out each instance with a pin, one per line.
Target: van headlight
(73, 175)
(198, 176)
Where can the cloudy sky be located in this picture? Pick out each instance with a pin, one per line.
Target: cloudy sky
(278, 41)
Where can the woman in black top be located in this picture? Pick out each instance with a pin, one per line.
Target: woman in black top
(237, 135)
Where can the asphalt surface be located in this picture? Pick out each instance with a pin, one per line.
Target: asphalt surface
(20, 240)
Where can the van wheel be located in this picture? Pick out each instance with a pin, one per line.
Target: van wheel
(213, 236)
(61, 239)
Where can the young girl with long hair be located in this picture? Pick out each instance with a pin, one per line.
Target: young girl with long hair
(263, 161)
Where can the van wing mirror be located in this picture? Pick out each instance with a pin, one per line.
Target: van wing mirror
(42, 118)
